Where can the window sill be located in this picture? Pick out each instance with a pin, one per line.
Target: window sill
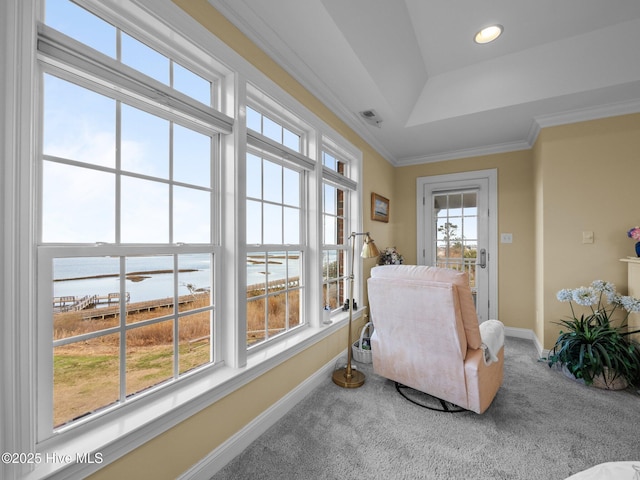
(116, 434)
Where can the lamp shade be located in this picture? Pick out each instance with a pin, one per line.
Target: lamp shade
(369, 249)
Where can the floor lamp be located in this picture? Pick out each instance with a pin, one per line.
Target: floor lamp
(347, 377)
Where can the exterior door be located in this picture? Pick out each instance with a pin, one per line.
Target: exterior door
(457, 229)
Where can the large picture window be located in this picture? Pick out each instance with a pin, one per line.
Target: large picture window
(128, 202)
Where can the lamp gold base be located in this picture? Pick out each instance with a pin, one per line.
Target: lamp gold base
(340, 378)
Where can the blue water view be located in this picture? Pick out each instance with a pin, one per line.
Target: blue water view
(152, 277)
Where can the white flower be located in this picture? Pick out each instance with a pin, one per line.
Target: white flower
(608, 288)
(630, 304)
(565, 295)
(585, 296)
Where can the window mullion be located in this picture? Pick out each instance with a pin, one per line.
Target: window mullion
(123, 331)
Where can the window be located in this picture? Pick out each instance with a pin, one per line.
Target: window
(274, 233)
(128, 202)
(337, 190)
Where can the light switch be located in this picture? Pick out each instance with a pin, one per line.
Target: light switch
(506, 238)
(587, 237)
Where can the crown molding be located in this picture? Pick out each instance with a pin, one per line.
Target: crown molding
(465, 153)
(589, 113)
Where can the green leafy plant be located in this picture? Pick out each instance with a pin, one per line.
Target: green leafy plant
(592, 345)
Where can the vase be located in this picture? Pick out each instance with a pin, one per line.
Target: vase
(638, 249)
(604, 381)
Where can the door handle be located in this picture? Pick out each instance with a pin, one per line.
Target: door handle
(482, 260)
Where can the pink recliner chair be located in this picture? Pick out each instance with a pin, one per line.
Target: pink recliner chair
(427, 337)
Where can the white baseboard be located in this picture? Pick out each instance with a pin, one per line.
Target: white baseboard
(528, 334)
(217, 459)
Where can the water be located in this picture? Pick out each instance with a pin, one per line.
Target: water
(100, 275)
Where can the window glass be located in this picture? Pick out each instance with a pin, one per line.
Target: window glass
(191, 215)
(273, 294)
(144, 59)
(77, 204)
(335, 221)
(116, 177)
(145, 142)
(254, 120)
(191, 84)
(191, 156)
(78, 124)
(254, 176)
(291, 140)
(272, 181)
(86, 378)
(145, 211)
(81, 25)
(89, 298)
(272, 129)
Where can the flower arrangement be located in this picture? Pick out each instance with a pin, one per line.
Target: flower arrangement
(634, 233)
(390, 256)
(592, 346)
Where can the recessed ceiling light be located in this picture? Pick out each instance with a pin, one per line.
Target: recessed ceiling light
(488, 34)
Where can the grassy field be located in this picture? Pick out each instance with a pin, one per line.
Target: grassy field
(87, 373)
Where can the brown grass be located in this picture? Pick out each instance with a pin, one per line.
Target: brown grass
(86, 374)
(276, 316)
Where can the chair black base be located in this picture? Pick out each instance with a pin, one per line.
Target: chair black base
(425, 400)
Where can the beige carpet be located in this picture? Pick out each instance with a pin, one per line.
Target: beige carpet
(541, 425)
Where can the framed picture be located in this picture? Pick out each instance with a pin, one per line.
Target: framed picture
(379, 208)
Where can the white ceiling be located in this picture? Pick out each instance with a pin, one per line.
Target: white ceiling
(440, 95)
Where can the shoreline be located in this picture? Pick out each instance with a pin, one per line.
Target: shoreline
(127, 275)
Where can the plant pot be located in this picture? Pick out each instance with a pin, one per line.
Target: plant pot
(638, 249)
(605, 380)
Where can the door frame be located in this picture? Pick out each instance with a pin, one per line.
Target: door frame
(454, 179)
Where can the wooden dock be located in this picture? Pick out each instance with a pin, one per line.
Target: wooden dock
(90, 305)
(279, 284)
(76, 304)
(133, 308)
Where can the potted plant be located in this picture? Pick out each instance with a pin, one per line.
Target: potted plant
(595, 348)
(390, 256)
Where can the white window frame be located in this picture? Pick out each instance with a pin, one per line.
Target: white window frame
(352, 221)
(74, 62)
(139, 422)
(301, 247)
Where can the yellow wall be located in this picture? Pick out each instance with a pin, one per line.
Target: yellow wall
(587, 179)
(576, 178)
(515, 215)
